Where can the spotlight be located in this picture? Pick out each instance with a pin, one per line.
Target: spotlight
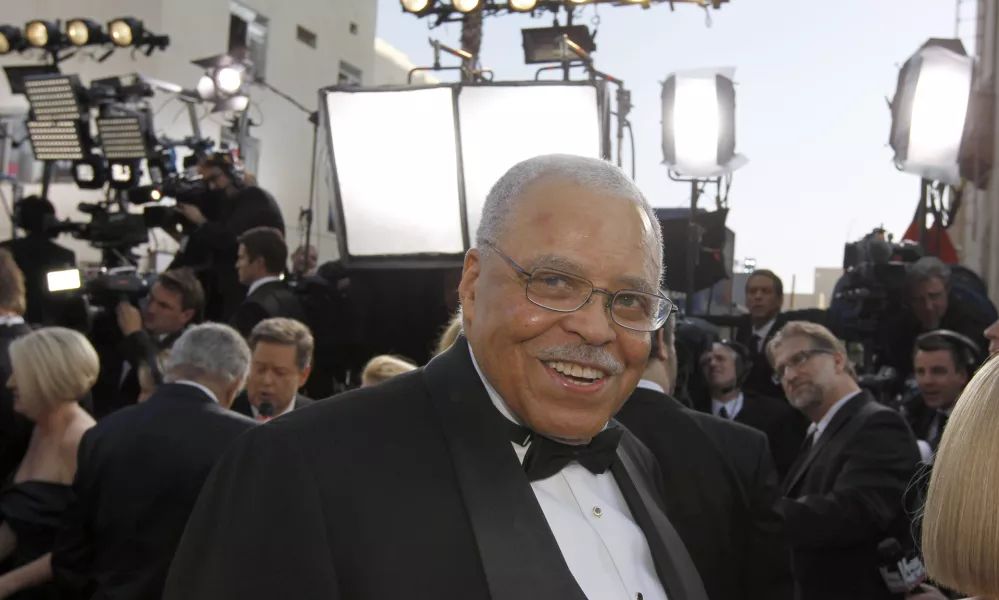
(228, 80)
(85, 32)
(11, 39)
(125, 31)
(90, 172)
(124, 173)
(930, 109)
(523, 5)
(42, 34)
(418, 7)
(465, 6)
(699, 124)
(544, 44)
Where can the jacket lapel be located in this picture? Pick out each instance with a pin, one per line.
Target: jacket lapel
(520, 556)
(838, 421)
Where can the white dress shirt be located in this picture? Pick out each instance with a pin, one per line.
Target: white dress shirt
(605, 550)
(816, 429)
(210, 393)
(732, 407)
(291, 407)
(11, 320)
(256, 284)
(647, 384)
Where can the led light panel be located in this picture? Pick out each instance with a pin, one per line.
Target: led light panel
(121, 138)
(61, 281)
(53, 98)
(55, 140)
(502, 125)
(395, 158)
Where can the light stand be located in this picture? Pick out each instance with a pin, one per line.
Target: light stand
(466, 59)
(695, 231)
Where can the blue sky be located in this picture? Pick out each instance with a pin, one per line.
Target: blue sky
(811, 117)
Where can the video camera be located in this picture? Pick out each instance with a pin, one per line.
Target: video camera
(104, 291)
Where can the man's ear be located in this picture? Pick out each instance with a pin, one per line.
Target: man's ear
(470, 271)
(661, 353)
(187, 315)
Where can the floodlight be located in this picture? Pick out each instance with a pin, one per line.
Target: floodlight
(90, 173)
(206, 88)
(56, 140)
(42, 34)
(125, 31)
(85, 32)
(228, 80)
(124, 174)
(11, 39)
(122, 137)
(465, 6)
(494, 137)
(53, 97)
(699, 124)
(418, 7)
(414, 209)
(62, 281)
(930, 109)
(523, 5)
(545, 44)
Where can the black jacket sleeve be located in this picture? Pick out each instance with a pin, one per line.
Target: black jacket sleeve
(769, 572)
(138, 348)
(247, 316)
(242, 541)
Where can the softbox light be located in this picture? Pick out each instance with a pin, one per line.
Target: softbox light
(502, 125)
(698, 121)
(395, 161)
(929, 110)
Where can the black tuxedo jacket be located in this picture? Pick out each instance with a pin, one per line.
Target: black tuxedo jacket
(720, 490)
(409, 489)
(242, 404)
(15, 428)
(845, 496)
(784, 426)
(760, 378)
(272, 299)
(138, 476)
(115, 388)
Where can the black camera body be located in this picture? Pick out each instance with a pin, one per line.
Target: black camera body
(108, 289)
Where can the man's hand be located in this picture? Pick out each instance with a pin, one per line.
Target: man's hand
(129, 319)
(193, 213)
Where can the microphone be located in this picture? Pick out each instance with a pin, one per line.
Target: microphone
(902, 573)
(266, 410)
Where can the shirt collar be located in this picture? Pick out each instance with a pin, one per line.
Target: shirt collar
(11, 320)
(647, 384)
(256, 284)
(195, 384)
(290, 407)
(764, 330)
(732, 407)
(820, 427)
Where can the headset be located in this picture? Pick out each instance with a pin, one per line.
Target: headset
(962, 345)
(228, 164)
(743, 363)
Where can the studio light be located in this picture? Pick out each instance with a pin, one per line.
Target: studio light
(125, 31)
(90, 173)
(698, 120)
(123, 173)
(54, 97)
(56, 140)
(523, 5)
(417, 7)
(930, 109)
(11, 39)
(465, 6)
(42, 34)
(85, 32)
(122, 137)
(63, 281)
(228, 80)
(544, 44)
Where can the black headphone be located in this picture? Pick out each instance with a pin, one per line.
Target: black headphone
(743, 363)
(229, 166)
(962, 345)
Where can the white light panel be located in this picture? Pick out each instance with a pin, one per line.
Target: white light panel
(396, 165)
(503, 125)
(61, 281)
(696, 126)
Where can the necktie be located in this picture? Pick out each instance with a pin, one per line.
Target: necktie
(546, 457)
(755, 344)
(941, 424)
(723, 413)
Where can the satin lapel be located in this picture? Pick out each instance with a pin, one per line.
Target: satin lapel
(519, 554)
(674, 566)
(842, 417)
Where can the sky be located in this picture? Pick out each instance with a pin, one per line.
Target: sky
(812, 118)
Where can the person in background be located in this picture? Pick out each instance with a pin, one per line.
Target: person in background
(304, 262)
(147, 379)
(53, 368)
(263, 258)
(384, 367)
(992, 336)
(450, 334)
(280, 363)
(15, 428)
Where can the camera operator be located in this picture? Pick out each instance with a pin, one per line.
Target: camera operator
(233, 207)
(37, 255)
(174, 302)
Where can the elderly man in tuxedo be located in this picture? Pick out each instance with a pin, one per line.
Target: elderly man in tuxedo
(495, 472)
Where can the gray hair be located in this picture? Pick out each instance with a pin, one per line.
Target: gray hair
(210, 351)
(926, 268)
(591, 173)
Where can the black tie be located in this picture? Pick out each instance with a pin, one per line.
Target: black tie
(723, 413)
(755, 344)
(941, 423)
(546, 457)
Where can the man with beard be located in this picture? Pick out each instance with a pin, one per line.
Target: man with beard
(844, 494)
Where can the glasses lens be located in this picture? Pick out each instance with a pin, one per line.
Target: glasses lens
(640, 311)
(557, 290)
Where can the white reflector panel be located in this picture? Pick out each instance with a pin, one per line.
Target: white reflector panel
(503, 125)
(396, 164)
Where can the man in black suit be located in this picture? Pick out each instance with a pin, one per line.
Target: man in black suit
(724, 367)
(280, 363)
(15, 429)
(495, 472)
(738, 546)
(262, 258)
(140, 471)
(845, 493)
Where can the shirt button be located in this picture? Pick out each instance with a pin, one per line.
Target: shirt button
(597, 512)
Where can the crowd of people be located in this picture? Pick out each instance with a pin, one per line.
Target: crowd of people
(550, 449)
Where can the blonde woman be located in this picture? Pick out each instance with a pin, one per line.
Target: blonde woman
(381, 368)
(450, 334)
(52, 369)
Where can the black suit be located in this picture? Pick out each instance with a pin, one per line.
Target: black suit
(720, 489)
(242, 404)
(272, 299)
(118, 383)
(15, 429)
(783, 425)
(760, 378)
(408, 489)
(139, 474)
(845, 496)
(37, 255)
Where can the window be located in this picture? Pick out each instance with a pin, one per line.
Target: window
(349, 74)
(248, 36)
(306, 37)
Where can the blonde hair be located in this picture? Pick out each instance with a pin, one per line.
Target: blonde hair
(145, 372)
(53, 365)
(817, 335)
(960, 519)
(450, 334)
(381, 368)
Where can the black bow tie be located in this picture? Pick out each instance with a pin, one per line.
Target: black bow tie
(546, 457)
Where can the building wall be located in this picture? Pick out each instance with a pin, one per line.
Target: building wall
(344, 31)
(392, 67)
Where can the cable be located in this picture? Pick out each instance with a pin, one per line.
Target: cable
(296, 103)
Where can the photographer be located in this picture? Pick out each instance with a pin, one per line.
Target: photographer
(232, 207)
(174, 302)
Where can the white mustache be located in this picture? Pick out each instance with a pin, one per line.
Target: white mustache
(582, 353)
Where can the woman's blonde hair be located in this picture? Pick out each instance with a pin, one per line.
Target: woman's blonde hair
(450, 334)
(53, 365)
(384, 367)
(961, 516)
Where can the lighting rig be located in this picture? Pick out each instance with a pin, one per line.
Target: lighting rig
(63, 40)
(455, 10)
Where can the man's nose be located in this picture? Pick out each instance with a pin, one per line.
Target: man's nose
(592, 322)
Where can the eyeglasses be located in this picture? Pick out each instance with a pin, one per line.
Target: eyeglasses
(564, 292)
(797, 361)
